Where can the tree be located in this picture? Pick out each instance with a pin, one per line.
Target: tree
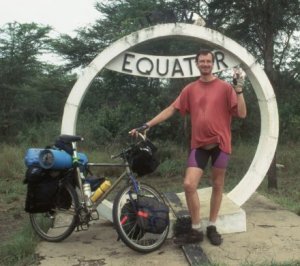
(26, 82)
(267, 29)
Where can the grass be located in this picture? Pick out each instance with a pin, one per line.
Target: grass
(288, 192)
(18, 241)
(19, 250)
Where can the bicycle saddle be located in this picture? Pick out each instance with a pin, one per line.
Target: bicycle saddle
(69, 138)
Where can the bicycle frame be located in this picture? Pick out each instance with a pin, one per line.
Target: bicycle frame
(80, 177)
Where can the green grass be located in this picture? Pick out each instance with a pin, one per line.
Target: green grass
(19, 250)
(288, 176)
(12, 164)
(17, 247)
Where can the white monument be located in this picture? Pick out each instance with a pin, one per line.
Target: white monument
(228, 54)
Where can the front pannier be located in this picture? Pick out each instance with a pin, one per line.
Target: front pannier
(153, 215)
(143, 159)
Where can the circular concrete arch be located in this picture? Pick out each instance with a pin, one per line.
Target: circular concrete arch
(262, 87)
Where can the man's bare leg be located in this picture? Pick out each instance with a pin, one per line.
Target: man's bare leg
(218, 176)
(191, 181)
(190, 184)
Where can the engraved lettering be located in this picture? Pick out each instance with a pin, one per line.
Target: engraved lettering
(190, 59)
(126, 62)
(219, 57)
(146, 71)
(158, 64)
(177, 68)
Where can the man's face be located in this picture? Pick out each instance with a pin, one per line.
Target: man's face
(205, 64)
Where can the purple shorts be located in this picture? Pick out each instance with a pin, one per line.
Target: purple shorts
(199, 158)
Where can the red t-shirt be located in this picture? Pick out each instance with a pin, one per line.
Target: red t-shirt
(211, 106)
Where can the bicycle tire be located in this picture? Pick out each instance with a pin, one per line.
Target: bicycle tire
(58, 223)
(130, 233)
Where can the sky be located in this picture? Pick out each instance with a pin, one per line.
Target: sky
(63, 15)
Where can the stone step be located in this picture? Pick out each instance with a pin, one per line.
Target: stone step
(231, 219)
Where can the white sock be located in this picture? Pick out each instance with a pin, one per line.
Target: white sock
(197, 227)
(211, 223)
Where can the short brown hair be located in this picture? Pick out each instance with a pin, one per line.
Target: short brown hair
(204, 52)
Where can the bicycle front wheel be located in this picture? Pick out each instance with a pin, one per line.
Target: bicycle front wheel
(125, 220)
(58, 223)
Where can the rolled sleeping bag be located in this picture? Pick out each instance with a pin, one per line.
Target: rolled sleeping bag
(55, 159)
(58, 159)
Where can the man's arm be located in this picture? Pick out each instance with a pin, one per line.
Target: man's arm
(162, 116)
(238, 82)
(241, 104)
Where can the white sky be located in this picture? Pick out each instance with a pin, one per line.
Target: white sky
(63, 15)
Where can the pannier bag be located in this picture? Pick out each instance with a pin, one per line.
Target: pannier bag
(143, 159)
(153, 215)
(41, 190)
(44, 192)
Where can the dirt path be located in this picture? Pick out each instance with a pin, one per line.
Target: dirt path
(273, 234)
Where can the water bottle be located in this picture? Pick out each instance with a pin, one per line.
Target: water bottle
(87, 193)
(94, 181)
(100, 190)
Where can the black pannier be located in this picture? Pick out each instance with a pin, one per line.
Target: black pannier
(42, 188)
(153, 215)
(142, 158)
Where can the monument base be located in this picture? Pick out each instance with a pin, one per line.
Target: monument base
(231, 219)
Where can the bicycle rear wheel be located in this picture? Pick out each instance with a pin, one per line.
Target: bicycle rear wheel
(125, 220)
(58, 223)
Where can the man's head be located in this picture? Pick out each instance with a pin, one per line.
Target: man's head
(205, 61)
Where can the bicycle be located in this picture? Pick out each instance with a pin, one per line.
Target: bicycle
(72, 209)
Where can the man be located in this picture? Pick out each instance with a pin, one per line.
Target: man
(211, 103)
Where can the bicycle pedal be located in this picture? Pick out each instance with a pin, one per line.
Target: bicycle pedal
(95, 215)
(77, 229)
(84, 227)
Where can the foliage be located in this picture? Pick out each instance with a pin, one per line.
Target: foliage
(12, 165)
(270, 31)
(30, 90)
(115, 103)
(270, 35)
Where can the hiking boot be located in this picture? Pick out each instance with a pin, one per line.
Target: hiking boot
(213, 236)
(193, 236)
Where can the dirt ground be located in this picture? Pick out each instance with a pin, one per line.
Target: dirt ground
(273, 235)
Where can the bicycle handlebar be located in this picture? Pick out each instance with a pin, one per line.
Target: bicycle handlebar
(143, 128)
(142, 136)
